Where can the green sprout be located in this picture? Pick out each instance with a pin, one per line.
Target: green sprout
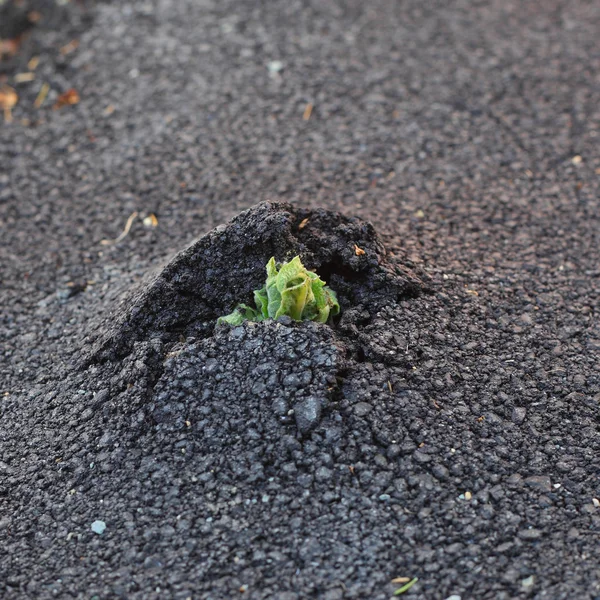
(293, 291)
(406, 587)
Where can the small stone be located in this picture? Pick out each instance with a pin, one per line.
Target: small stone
(540, 482)
(275, 66)
(100, 397)
(323, 474)
(440, 472)
(530, 535)
(308, 414)
(497, 493)
(98, 527)
(237, 333)
(454, 597)
(518, 414)
(361, 409)
(528, 582)
(506, 547)
(421, 457)
(291, 381)
(280, 406)
(515, 480)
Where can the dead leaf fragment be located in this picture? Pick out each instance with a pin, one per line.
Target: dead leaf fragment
(358, 251)
(130, 220)
(33, 63)
(24, 77)
(150, 221)
(303, 224)
(69, 98)
(33, 16)
(307, 112)
(9, 47)
(8, 99)
(70, 47)
(41, 95)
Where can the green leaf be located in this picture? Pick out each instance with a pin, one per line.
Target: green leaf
(332, 301)
(273, 295)
(291, 290)
(293, 296)
(238, 316)
(262, 302)
(406, 586)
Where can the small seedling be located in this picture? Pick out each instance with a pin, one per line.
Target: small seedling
(291, 290)
(406, 587)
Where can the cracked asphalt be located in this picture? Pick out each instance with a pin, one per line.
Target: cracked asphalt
(448, 434)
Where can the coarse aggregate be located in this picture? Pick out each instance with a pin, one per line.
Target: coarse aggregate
(445, 427)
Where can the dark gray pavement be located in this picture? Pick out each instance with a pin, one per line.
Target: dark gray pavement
(461, 437)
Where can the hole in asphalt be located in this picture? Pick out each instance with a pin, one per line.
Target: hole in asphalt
(195, 368)
(221, 269)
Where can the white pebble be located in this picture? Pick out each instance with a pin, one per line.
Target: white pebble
(98, 527)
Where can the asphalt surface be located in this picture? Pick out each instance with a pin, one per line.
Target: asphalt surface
(445, 428)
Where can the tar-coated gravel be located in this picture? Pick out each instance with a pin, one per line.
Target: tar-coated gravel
(444, 427)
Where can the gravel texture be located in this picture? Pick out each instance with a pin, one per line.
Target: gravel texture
(445, 427)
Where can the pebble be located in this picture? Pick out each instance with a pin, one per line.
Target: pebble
(573, 533)
(275, 66)
(361, 409)
(540, 482)
(323, 474)
(440, 472)
(518, 414)
(530, 535)
(515, 480)
(307, 413)
(98, 527)
(528, 582)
